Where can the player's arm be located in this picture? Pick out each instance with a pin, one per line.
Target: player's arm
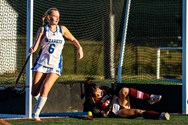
(38, 39)
(67, 34)
(97, 112)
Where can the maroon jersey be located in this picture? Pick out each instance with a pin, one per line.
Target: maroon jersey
(103, 102)
(102, 105)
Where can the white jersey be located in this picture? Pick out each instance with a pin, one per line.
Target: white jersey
(52, 45)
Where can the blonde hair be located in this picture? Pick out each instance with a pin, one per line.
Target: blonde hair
(47, 13)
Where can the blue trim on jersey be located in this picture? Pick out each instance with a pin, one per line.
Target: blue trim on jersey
(46, 28)
(61, 64)
(60, 29)
(37, 58)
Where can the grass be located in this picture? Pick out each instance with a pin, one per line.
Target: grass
(175, 120)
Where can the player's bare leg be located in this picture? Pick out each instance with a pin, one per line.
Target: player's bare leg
(133, 113)
(37, 83)
(123, 98)
(48, 83)
(124, 92)
(130, 113)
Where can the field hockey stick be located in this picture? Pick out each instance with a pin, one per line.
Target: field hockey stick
(28, 57)
(114, 87)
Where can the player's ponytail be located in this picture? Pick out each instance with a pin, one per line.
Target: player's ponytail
(43, 20)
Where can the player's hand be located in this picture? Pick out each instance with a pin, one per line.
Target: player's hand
(80, 53)
(31, 50)
(106, 114)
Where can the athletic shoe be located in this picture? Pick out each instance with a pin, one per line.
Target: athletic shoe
(154, 98)
(165, 116)
(36, 119)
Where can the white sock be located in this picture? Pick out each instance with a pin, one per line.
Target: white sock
(37, 96)
(38, 106)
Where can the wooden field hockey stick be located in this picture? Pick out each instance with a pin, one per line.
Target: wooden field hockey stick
(28, 57)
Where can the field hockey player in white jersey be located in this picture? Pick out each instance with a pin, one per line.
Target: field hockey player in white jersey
(48, 64)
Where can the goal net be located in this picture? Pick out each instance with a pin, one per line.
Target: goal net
(153, 25)
(12, 47)
(98, 26)
(95, 23)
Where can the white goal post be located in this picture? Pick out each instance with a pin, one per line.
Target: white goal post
(184, 57)
(29, 35)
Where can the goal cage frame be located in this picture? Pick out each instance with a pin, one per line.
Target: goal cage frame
(28, 110)
(184, 51)
(29, 41)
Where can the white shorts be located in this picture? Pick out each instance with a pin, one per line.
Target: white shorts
(115, 107)
(44, 69)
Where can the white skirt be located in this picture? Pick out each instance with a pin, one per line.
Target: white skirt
(44, 69)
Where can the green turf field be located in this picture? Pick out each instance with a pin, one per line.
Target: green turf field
(175, 120)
